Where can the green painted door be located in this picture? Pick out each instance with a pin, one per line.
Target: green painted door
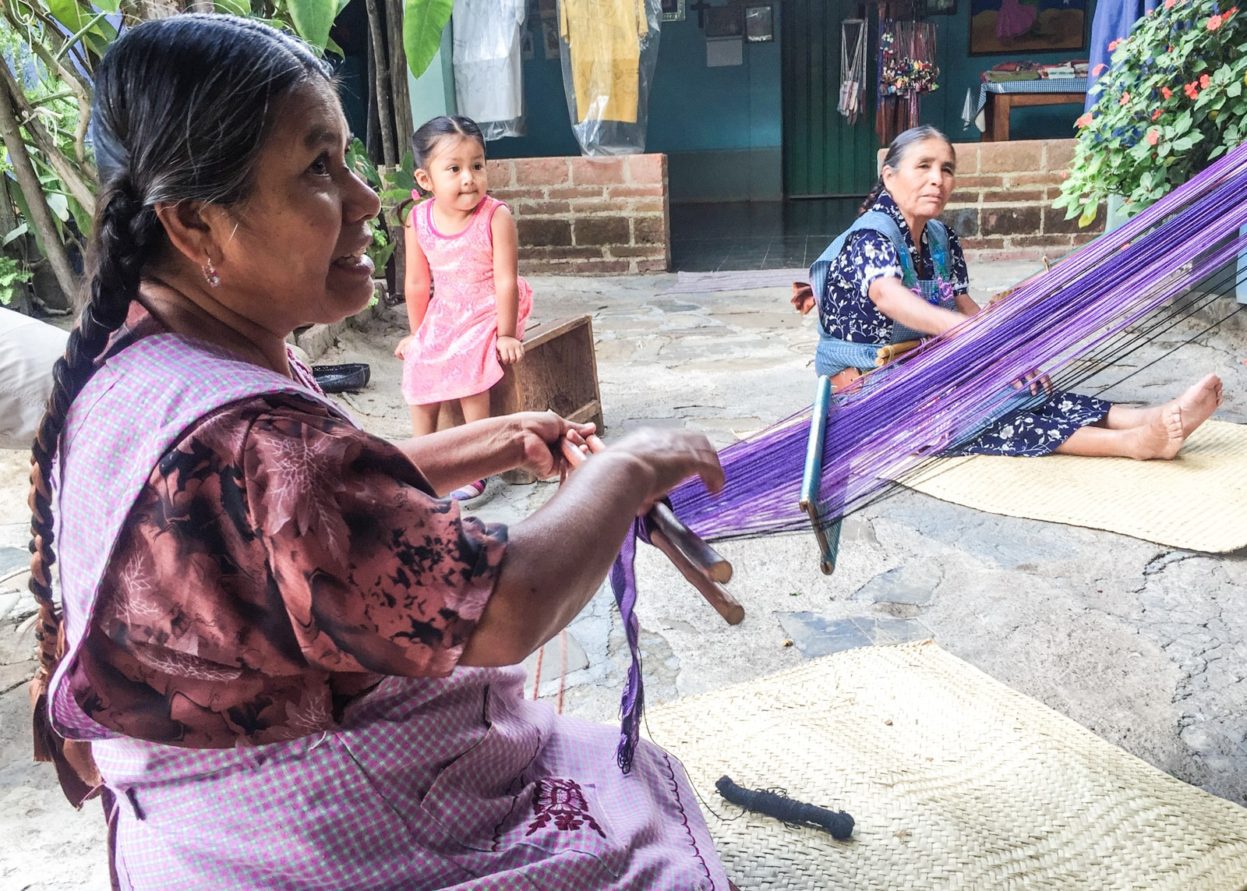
(823, 155)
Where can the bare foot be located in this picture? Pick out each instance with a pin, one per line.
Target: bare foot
(1164, 436)
(1199, 402)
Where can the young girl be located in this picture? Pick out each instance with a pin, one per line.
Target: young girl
(465, 300)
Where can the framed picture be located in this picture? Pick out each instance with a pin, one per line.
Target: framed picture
(673, 10)
(760, 23)
(724, 21)
(1019, 26)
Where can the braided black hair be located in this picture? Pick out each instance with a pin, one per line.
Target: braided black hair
(181, 110)
(896, 154)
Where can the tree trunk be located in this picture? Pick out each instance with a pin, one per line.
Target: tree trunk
(28, 182)
(398, 76)
(381, 81)
(72, 178)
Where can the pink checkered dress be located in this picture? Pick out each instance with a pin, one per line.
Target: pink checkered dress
(453, 782)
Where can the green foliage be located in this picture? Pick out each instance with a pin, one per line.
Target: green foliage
(1173, 100)
(423, 23)
(13, 277)
(382, 244)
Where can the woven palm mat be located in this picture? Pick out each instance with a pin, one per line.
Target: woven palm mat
(953, 779)
(1197, 501)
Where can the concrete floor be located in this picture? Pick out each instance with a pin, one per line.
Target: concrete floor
(1143, 644)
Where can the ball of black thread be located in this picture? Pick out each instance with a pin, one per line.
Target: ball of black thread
(762, 801)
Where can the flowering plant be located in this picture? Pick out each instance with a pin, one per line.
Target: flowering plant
(1173, 100)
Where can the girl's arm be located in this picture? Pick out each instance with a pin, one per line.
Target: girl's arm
(506, 284)
(416, 281)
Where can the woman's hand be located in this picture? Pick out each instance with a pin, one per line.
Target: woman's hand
(670, 457)
(1036, 380)
(510, 350)
(400, 351)
(539, 434)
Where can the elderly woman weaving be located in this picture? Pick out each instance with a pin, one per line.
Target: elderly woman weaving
(283, 657)
(899, 274)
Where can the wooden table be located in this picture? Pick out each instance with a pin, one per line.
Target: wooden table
(1000, 104)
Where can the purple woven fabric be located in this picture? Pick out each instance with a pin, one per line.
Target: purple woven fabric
(453, 782)
(632, 704)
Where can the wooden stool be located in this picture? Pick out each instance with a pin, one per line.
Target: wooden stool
(559, 372)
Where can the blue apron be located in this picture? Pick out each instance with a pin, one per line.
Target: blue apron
(833, 355)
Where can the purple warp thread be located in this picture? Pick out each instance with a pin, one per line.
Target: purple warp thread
(632, 704)
(940, 394)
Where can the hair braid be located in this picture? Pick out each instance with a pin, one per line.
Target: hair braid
(124, 234)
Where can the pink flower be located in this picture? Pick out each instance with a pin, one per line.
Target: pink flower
(1084, 120)
(1156, 114)
(1099, 69)
(1152, 137)
(1166, 92)
(1113, 44)
(1215, 22)
(1204, 81)
(1169, 4)
(1125, 98)
(1191, 90)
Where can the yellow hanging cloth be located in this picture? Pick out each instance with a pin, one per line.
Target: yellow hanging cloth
(604, 37)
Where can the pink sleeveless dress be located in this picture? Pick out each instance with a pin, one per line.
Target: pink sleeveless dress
(454, 353)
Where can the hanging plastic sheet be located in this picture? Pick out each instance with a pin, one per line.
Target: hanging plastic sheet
(852, 69)
(486, 55)
(609, 52)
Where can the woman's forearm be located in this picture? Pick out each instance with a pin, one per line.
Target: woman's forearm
(902, 305)
(557, 558)
(459, 455)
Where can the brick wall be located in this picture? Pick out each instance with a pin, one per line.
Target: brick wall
(1002, 205)
(588, 216)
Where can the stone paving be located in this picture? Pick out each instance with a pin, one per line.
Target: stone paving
(1143, 644)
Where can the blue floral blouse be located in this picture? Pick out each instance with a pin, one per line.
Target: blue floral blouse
(845, 309)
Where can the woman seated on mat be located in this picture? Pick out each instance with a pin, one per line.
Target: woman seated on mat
(898, 273)
(284, 660)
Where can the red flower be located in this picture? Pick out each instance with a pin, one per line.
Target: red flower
(1169, 4)
(1166, 92)
(1099, 69)
(1113, 44)
(1084, 120)
(1191, 90)
(1204, 81)
(1125, 98)
(1215, 22)
(1156, 114)
(1229, 12)
(1152, 137)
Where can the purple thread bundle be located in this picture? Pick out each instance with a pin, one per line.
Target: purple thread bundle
(940, 394)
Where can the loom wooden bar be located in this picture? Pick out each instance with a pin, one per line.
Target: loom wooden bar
(716, 595)
(711, 562)
(558, 373)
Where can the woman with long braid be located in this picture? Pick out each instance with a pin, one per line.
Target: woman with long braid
(284, 662)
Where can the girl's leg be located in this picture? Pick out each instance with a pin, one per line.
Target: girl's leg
(475, 408)
(424, 418)
(1146, 433)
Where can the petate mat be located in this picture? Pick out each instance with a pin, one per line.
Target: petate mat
(954, 781)
(1197, 501)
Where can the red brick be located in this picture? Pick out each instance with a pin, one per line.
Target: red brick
(544, 232)
(537, 207)
(1053, 240)
(1034, 179)
(541, 171)
(1007, 157)
(501, 173)
(597, 206)
(655, 265)
(615, 192)
(562, 252)
(643, 207)
(967, 157)
(1011, 220)
(963, 220)
(977, 181)
(601, 230)
(605, 171)
(637, 250)
(647, 169)
(1018, 196)
(1061, 154)
(574, 193)
(649, 230)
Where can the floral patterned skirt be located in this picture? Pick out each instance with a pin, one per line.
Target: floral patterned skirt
(1036, 430)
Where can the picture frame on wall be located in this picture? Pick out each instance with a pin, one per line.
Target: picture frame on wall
(759, 23)
(673, 10)
(724, 21)
(1012, 27)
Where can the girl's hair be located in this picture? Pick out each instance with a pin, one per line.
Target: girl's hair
(431, 132)
(896, 154)
(182, 108)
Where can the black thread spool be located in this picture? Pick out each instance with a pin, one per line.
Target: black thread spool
(781, 807)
